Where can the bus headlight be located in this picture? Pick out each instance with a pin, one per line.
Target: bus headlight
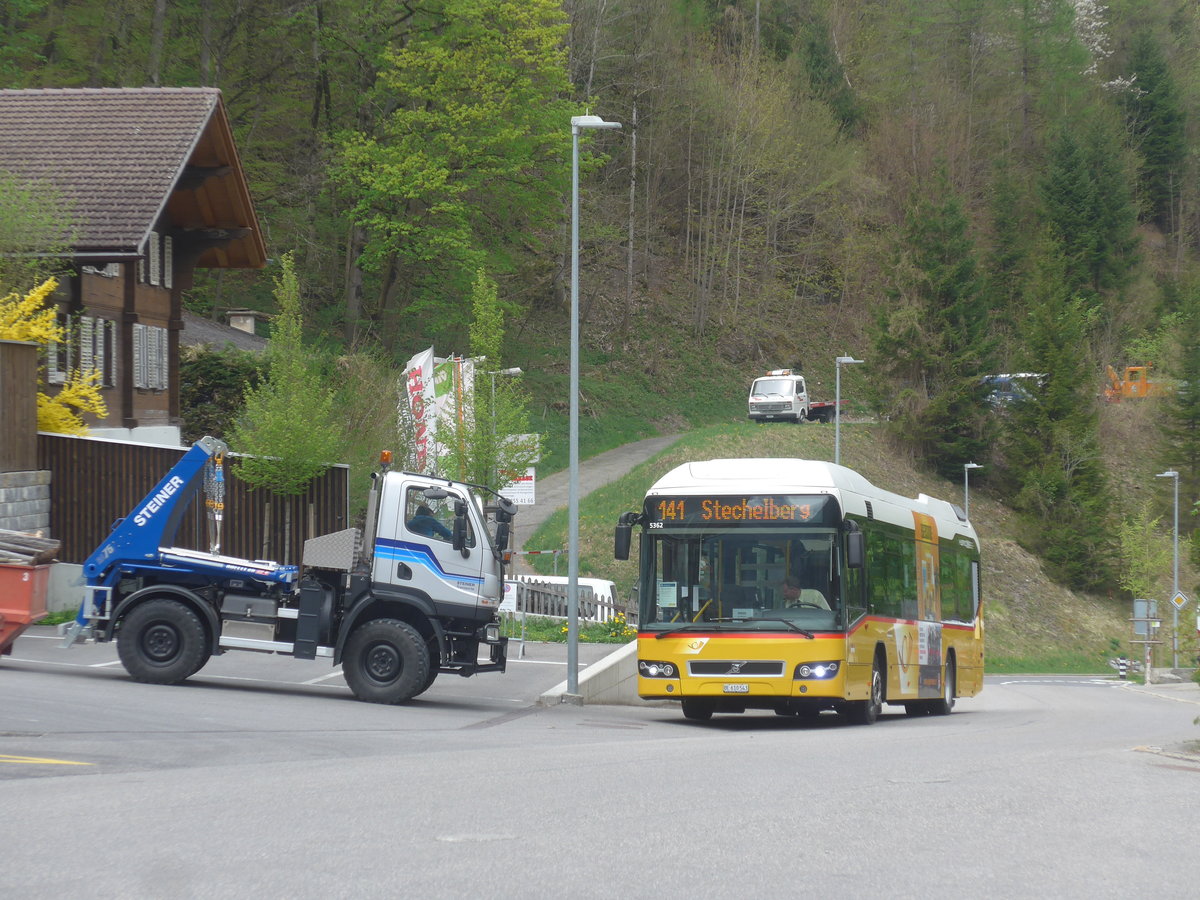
(816, 671)
(651, 669)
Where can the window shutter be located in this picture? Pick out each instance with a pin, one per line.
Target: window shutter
(155, 257)
(58, 353)
(110, 334)
(168, 262)
(152, 358)
(139, 355)
(164, 358)
(87, 343)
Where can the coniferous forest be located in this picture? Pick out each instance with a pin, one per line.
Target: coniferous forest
(954, 187)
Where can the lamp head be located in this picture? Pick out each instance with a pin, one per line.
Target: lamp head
(580, 122)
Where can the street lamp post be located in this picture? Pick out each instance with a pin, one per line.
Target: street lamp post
(1171, 473)
(578, 123)
(515, 370)
(837, 404)
(967, 467)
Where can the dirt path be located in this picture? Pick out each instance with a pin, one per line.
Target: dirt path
(551, 491)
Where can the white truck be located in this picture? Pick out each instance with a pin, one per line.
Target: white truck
(782, 395)
(415, 596)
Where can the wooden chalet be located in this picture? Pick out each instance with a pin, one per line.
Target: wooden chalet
(151, 187)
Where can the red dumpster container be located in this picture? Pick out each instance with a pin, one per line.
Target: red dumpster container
(22, 600)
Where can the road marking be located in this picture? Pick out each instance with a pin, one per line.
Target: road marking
(542, 662)
(334, 674)
(1103, 682)
(36, 761)
(115, 662)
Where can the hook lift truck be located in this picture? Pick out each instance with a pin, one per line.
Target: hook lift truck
(395, 606)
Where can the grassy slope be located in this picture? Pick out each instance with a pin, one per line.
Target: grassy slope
(1032, 624)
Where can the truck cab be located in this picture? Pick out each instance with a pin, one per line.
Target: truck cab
(781, 394)
(414, 547)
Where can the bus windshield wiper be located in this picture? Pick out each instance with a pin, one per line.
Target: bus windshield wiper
(686, 626)
(788, 622)
(703, 626)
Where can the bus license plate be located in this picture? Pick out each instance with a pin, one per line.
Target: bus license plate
(737, 688)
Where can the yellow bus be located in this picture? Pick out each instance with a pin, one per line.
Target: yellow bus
(797, 586)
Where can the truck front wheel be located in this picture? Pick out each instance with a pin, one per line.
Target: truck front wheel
(385, 662)
(162, 642)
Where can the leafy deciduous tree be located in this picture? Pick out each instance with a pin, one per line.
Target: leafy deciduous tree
(288, 426)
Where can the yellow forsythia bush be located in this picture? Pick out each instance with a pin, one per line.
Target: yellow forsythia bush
(29, 319)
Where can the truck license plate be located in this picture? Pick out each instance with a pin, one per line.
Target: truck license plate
(737, 688)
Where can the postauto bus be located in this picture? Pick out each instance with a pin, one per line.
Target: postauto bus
(798, 586)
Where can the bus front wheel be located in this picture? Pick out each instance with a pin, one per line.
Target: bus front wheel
(945, 706)
(865, 712)
(697, 710)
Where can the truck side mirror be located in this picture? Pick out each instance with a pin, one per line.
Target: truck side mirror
(855, 550)
(621, 541)
(502, 536)
(458, 539)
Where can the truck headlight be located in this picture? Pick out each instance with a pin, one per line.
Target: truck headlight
(491, 633)
(815, 671)
(652, 669)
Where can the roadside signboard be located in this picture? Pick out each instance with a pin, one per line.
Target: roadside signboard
(1145, 616)
(521, 491)
(1180, 600)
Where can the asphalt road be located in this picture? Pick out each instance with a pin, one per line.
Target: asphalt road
(262, 777)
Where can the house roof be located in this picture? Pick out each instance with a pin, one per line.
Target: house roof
(199, 331)
(117, 158)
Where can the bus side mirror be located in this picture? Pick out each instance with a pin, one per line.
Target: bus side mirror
(621, 541)
(624, 534)
(855, 550)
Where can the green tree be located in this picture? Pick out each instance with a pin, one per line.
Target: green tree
(468, 168)
(1051, 463)
(212, 389)
(33, 240)
(932, 339)
(1088, 208)
(1179, 423)
(1146, 555)
(1157, 125)
(482, 445)
(288, 426)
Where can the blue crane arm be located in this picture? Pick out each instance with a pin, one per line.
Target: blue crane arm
(154, 522)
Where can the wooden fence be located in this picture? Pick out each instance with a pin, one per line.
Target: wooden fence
(540, 599)
(95, 481)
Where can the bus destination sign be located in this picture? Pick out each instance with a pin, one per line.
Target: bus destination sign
(775, 509)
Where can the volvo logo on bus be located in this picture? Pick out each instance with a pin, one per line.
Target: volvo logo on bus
(736, 668)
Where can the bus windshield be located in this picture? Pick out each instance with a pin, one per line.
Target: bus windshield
(742, 578)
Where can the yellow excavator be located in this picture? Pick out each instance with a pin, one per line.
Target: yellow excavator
(1136, 384)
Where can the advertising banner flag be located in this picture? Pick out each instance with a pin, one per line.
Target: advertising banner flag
(420, 390)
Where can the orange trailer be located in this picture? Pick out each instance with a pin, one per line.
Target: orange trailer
(22, 600)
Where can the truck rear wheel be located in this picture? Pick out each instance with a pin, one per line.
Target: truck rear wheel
(162, 642)
(385, 662)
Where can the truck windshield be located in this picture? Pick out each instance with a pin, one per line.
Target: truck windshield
(743, 578)
(765, 386)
